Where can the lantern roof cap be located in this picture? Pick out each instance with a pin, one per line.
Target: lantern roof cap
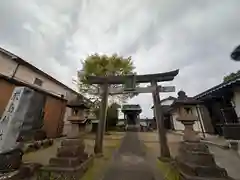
(183, 99)
(78, 103)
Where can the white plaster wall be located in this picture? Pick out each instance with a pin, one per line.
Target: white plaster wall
(27, 75)
(178, 126)
(67, 124)
(236, 100)
(7, 66)
(197, 125)
(164, 103)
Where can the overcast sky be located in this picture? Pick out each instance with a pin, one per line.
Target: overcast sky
(195, 36)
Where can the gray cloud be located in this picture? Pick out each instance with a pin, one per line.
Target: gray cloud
(194, 36)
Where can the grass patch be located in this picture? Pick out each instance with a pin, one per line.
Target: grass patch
(168, 170)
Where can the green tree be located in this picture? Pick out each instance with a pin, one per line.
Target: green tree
(231, 76)
(112, 115)
(103, 65)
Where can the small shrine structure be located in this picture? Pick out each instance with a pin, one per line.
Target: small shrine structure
(131, 115)
(79, 115)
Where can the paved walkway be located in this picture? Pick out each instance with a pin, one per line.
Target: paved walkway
(227, 159)
(130, 162)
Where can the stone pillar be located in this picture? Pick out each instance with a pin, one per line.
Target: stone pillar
(14, 117)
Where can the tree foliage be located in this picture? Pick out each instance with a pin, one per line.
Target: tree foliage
(103, 65)
(231, 76)
(112, 115)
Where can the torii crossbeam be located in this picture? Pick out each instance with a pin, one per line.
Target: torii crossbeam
(130, 82)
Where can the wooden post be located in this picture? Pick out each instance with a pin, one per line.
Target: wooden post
(200, 119)
(164, 149)
(98, 149)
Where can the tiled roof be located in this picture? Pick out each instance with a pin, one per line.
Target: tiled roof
(233, 81)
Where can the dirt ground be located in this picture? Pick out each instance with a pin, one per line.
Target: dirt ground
(150, 139)
(224, 157)
(43, 156)
(111, 144)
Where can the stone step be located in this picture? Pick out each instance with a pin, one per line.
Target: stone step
(66, 162)
(70, 151)
(200, 158)
(189, 177)
(53, 172)
(26, 171)
(72, 142)
(194, 146)
(202, 171)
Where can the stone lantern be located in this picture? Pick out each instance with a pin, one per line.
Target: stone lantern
(183, 107)
(77, 118)
(71, 161)
(194, 160)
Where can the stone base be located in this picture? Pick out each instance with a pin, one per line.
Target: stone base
(25, 172)
(63, 173)
(184, 176)
(70, 164)
(10, 160)
(201, 171)
(194, 162)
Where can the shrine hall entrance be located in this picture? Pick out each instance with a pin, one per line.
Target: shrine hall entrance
(131, 118)
(131, 115)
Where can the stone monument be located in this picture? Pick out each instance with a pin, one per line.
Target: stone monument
(72, 161)
(16, 113)
(194, 160)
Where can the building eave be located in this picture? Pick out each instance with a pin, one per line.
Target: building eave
(168, 98)
(20, 61)
(21, 83)
(235, 81)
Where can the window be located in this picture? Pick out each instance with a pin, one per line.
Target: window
(38, 82)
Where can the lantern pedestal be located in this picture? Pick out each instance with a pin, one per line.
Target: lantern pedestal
(189, 134)
(194, 159)
(71, 161)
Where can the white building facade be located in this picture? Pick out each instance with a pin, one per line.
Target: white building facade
(177, 125)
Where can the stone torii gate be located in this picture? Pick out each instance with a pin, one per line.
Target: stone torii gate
(130, 82)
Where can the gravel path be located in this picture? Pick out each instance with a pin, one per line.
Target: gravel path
(130, 162)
